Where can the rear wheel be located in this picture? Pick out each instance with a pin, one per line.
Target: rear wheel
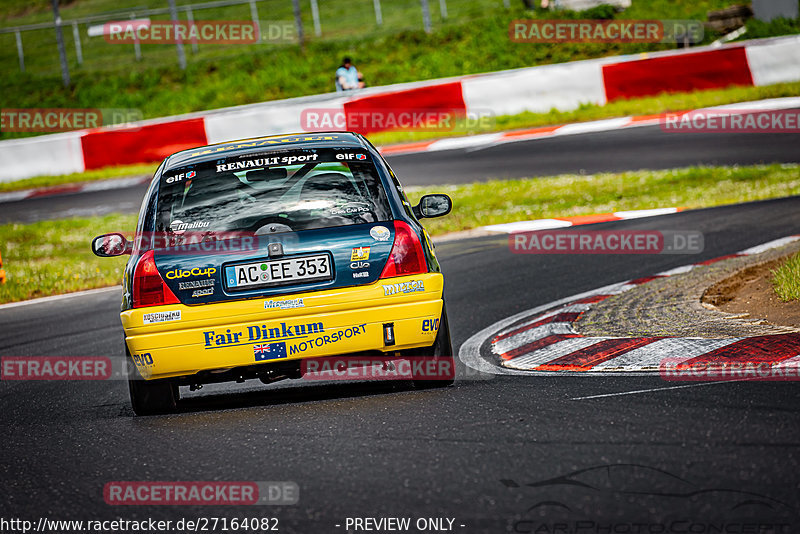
(151, 397)
(442, 353)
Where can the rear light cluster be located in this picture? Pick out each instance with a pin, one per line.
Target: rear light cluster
(407, 256)
(149, 288)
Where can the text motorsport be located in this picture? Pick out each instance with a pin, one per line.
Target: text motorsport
(193, 493)
(277, 337)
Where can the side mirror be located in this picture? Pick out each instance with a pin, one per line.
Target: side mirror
(110, 245)
(433, 206)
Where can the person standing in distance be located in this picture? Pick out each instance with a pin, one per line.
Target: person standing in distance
(347, 77)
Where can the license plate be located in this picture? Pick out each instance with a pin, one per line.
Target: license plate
(279, 272)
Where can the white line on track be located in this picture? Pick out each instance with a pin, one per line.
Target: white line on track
(52, 298)
(637, 391)
(489, 140)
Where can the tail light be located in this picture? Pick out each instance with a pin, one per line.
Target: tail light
(407, 256)
(149, 288)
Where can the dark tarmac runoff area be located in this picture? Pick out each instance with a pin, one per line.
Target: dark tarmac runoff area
(493, 454)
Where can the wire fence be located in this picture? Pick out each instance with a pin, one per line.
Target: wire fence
(33, 47)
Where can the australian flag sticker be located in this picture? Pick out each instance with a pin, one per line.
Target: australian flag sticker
(269, 351)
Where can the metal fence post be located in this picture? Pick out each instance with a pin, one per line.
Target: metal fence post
(443, 8)
(173, 15)
(298, 21)
(254, 16)
(315, 16)
(20, 52)
(190, 19)
(76, 35)
(137, 48)
(62, 52)
(378, 15)
(426, 16)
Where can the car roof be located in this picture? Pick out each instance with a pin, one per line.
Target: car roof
(260, 144)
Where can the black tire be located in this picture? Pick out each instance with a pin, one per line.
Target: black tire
(151, 397)
(442, 352)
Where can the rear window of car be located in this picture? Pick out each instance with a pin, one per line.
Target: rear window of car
(273, 192)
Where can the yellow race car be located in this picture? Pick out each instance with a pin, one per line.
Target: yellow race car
(253, 257)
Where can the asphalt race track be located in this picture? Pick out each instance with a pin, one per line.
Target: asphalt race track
(497, 454)
(646, 147)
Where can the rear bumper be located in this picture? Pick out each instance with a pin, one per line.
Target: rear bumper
(324, 323)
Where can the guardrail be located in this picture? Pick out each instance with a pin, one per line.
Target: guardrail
(562, 86)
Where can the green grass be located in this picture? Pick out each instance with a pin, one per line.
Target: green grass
(786, 279)
(473, 40)
(145, 169)
(355, 16)
(54, 257)
(781, 26)
(502, 201)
